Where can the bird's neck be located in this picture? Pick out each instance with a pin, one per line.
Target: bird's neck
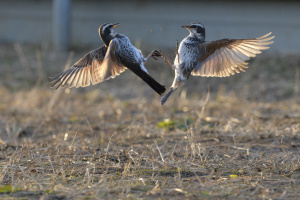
(196, 36)
(106, 38)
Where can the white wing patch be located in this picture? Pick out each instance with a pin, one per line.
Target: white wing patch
(110, 67)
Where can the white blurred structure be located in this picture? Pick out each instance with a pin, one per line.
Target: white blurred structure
(155, 24)
(61, 24)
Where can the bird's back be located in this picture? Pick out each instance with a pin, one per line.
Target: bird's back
(126, 51)
(133, 59)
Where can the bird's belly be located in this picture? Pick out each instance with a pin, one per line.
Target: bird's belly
(184, 65)
(186, 61)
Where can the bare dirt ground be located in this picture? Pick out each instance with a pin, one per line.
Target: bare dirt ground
(236, 137)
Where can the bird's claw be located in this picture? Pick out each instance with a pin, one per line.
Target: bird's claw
(156, 54)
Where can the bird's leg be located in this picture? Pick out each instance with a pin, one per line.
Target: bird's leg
(166, 59)
(154, 54)
(176, 49)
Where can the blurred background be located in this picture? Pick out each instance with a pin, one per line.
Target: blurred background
(150, 24)
(39, 37)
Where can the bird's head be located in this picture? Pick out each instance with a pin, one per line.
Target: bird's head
(106, 32)
(196, 29)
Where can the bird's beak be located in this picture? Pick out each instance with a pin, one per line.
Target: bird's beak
(187, 27)
(116, 25)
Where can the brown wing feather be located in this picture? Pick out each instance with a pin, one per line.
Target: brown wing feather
(228, 56)
(96, 66)
(82, 72)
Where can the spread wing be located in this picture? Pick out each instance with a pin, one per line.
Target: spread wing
(111, 66)
(95, 67)
(228, 56)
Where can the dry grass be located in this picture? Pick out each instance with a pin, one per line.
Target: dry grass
(235, 137)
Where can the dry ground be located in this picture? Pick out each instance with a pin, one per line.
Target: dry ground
(236, 137)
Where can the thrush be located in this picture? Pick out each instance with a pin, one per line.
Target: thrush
(220, 58)
(108, 61)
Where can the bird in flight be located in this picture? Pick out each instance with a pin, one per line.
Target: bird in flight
(108, 61)
(220, 58)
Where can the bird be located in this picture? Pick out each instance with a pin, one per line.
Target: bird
(219, 58)
(108, 61)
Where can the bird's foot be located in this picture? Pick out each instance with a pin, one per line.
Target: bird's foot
(156, 54)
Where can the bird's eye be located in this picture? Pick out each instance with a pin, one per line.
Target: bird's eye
(193, 26)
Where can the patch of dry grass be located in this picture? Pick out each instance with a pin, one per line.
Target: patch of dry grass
(239, 137)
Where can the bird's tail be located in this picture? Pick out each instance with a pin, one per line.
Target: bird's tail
(166, 96)
(160, 89)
